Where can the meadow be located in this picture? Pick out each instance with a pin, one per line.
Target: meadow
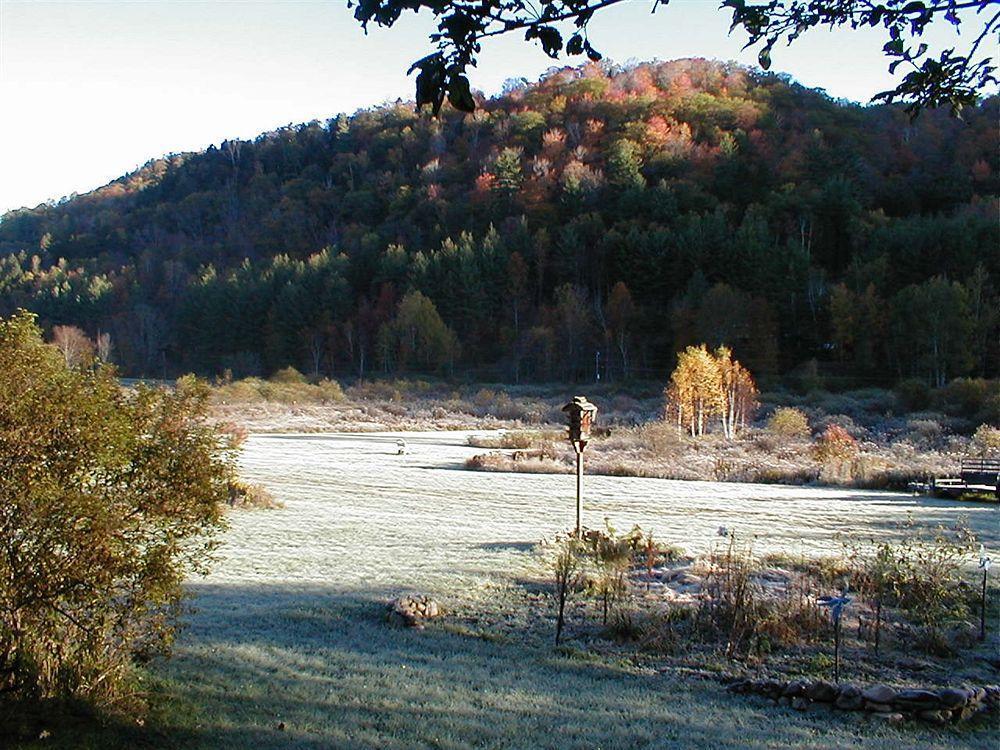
(288, 644)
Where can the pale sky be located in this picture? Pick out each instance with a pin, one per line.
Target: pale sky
(91, 90)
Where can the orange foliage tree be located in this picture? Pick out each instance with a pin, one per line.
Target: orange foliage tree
(706, 385)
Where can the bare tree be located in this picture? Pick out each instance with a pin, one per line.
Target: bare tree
(104, 346)
(76, 348)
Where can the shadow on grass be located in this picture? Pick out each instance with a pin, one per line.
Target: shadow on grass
(503, 546)
(312, 667)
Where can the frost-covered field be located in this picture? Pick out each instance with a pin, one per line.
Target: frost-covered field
(289, 629)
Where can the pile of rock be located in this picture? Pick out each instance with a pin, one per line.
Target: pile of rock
(414, 609)
(941, 706)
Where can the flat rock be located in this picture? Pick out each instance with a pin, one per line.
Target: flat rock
(954, 697)
(823, 691)
(849, 699)
(921, 699)
(795, 688)
(879, 694)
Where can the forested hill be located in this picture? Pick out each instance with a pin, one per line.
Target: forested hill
(599, 218)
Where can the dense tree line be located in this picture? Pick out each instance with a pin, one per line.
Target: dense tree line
(595, 222)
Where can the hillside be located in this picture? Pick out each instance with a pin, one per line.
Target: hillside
(601, 218)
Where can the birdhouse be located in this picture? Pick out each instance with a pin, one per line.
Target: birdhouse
(581, 417)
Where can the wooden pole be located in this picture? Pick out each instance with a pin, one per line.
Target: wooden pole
(579, 489)
(836, 651)
(982, 610)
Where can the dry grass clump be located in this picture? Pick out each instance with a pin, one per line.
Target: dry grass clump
(517, 439)
(286, 387)
(531, 463)
(251, 496)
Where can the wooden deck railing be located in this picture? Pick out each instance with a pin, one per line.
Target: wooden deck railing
(981, 464)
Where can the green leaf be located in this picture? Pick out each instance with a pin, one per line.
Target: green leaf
(765, 57)
(550, 38)
(460, 95)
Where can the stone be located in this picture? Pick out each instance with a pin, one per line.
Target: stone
(879, 694)
(800, 704)
(773, 688)
(849, 699)
(795, 688)
(740, 686)
(935, 716)
(953, 697)
(917, 700)
(412, 609)
(823, 691)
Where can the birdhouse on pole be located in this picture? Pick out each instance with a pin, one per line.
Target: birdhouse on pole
(581, 415)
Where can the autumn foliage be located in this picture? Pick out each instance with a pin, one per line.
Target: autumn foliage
(707, 385)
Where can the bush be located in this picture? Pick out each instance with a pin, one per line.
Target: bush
(110, 498)
(787, 422)
(966, 397)
(836, 444)
(922, 577)
(925, 433)
(986, 440)
(251, 497)
(913, 395)
(288, 375)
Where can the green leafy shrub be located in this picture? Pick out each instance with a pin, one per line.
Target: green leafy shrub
(968, 398)
(110, 498)
(788, 422)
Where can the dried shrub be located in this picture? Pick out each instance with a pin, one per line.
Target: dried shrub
(986, 440)
(612, 556)
(244, 495)
(566, 563)
(919, 577)
(925, 433)
(732, 608)
(737, 610)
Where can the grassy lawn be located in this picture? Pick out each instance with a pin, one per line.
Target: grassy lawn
(329, 669)
(288, 645)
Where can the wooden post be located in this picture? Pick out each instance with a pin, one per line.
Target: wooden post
(579, 488)
(982, 609)
(836, 651)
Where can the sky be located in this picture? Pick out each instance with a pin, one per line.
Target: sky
(91, 90)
